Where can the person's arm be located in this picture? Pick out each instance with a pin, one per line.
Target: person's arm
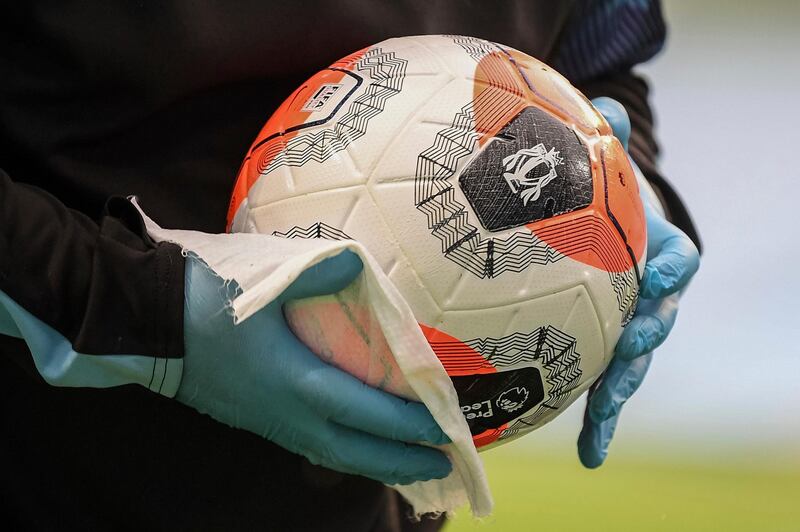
(98, 303)
(102, 305)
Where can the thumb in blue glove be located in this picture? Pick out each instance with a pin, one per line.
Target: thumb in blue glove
(259, 377)
(673, 259)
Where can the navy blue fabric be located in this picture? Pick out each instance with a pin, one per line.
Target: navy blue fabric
(607, 36)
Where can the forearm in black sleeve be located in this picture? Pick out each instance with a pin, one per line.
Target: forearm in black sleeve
(104, 286)
(632, 92)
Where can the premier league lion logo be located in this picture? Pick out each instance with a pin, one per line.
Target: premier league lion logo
(527, 161)
(512, 399)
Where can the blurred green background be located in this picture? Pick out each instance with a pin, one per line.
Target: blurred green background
(641, 488)
(712, 439)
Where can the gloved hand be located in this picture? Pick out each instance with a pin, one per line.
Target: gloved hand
(672, 260)
(259, 377)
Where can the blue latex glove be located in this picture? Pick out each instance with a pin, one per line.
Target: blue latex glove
(672, 260)
(259, 377)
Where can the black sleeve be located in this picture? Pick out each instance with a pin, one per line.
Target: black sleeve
(104, 285)
(632, 92)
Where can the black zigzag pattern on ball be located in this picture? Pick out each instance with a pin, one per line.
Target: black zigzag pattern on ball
(551, 349)
(385, 73)
(448, 219)
(555, 351)
(317, 230)
(476, 48)
(624, 285)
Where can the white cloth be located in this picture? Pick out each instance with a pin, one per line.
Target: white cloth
(263, 266)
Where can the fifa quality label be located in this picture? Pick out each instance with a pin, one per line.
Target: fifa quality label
(321, 98)
(534, 169)
(489, 400)
(329, 92)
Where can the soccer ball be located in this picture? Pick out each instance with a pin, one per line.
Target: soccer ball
(493, 195)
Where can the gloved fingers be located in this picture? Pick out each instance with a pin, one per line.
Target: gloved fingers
(594, 440)
(388, 461)
(327, 277)
(621, 379)
(675, 259)
(342, 398)
(649, 327)
(604, 406)
(617, 117)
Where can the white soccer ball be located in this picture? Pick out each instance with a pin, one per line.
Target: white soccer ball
(492, 193)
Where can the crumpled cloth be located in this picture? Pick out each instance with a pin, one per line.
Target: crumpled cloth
(263, 266)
